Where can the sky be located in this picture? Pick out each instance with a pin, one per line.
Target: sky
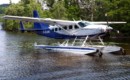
(8, 1)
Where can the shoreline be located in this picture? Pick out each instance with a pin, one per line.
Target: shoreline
(121, 37)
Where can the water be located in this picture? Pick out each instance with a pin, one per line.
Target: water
(20, 61)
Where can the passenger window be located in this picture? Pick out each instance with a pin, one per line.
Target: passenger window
(56, 29)
(65, 27)
(70, 27)
(59, 28)
(76, 27)
(53, 30)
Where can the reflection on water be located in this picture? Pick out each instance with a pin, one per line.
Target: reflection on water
(20, 61)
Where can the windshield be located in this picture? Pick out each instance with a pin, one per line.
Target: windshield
(83, 23)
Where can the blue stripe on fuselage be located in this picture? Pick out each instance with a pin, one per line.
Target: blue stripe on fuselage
(61, 47)
(51, 34)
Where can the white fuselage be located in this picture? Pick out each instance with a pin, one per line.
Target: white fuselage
(80, 28)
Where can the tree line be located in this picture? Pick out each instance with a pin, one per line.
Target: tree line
(90, 10)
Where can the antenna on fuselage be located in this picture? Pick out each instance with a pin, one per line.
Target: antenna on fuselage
(107, 19)
(81, 19)
(73, 19)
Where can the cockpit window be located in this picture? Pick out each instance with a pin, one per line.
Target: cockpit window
(83, 24)
(56, 29)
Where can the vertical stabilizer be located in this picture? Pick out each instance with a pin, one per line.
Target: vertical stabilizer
(39, 25)
(35, 14)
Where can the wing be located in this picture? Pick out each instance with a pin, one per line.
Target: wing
(53, 21)
(21, 18)
(45, 20)
(50, 21)
(105, 23)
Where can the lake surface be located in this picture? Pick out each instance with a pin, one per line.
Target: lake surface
(20, 61)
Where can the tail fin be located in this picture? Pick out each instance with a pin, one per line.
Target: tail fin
(39, 25)
(21, 27)
(35, 14)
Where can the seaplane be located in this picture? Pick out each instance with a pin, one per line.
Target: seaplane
(81, 31)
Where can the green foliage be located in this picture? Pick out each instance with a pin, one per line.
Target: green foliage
(72, 9)
(120, 11)
(58, 10)
(73, 12)
(2, 8)
(101, 8)
(24, 8)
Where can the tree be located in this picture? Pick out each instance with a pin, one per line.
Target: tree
(119, 11)
(73, 9)
(23, 8)
(58, 10)
(13, 10)
(50, 3)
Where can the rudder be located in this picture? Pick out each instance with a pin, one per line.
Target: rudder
(39, 25)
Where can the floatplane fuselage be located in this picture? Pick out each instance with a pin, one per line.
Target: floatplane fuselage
(62, 29)
(79, 29)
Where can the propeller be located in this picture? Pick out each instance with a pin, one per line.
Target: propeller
(118, 31)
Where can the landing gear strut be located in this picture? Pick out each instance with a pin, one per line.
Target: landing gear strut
(123, 52)
(99, 53)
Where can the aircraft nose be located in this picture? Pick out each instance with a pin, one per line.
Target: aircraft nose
(109, 28)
